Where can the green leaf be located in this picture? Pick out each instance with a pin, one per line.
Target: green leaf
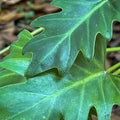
(8, 77)
(51, 97)
(16, 61)
(72, 30)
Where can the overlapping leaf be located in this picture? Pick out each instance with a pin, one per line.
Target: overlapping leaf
(69, 31)
(15, 61)
(50, 97)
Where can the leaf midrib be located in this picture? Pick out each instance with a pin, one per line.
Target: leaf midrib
(87, 16)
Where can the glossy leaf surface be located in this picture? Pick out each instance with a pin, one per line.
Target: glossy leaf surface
(72, 30)
(51, 97)
(16, 61)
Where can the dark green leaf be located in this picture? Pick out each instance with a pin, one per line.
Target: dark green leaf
(69, 31)
(16, 61)
(50, 97)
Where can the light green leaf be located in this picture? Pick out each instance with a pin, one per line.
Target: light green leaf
(8, 77)
(16, 61)
(72, 30)
(51, 97)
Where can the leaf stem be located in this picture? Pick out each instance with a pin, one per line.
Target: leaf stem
(4, 50)
(114, 67)
(35, 32)
(113, 49)
(117, 72)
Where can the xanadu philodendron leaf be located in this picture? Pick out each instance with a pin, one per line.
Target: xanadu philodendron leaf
(72, 30)
(15, 61)
(50, 97)
(8, 77)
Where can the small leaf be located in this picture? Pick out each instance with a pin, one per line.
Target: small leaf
(16, 61)
(50, 97)
(72, 30)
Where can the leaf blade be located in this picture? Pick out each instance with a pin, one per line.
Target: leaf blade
(49, 96)
(16, 61)
(65, 36)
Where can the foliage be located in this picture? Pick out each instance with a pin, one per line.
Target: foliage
(75, 29)
(65, 75)
(15, 61)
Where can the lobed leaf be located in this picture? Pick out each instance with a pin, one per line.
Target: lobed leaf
(16, 61)
(51, 97)
(72, 30)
